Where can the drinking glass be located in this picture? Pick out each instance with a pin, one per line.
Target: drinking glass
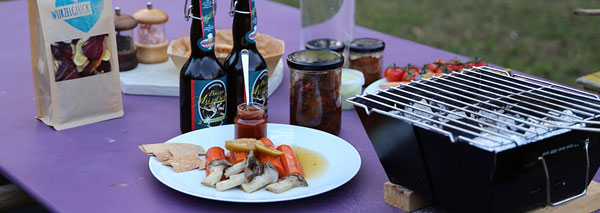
(332, 19)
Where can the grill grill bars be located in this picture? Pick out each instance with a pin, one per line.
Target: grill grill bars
(486, 107)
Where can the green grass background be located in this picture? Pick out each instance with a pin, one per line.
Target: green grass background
(540, 37)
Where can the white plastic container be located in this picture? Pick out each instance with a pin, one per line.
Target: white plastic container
(352, 82)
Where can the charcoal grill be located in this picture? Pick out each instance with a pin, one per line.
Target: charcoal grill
(485, 139)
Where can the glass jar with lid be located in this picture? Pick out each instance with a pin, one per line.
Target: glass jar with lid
(151, 41)
(366, 55)
(250, 121)
(325, 44)
(315, 82)
(124, 25)
(328, 44)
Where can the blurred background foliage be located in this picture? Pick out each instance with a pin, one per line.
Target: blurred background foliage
(539, 37)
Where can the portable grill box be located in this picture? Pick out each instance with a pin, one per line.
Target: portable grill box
(467, 178)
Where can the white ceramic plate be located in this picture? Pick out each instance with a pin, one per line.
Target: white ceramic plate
(374, 87)
(343, 163)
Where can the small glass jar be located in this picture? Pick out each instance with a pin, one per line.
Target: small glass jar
(352, 82)
(328, 44)
(325, 44)
(124, 25)
(315, 82)
(366, 55)
(250, 121)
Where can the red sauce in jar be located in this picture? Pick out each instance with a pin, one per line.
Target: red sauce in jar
(250, 121)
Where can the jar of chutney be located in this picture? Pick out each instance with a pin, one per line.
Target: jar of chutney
(315, 82)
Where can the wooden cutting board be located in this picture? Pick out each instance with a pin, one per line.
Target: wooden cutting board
(163, 79)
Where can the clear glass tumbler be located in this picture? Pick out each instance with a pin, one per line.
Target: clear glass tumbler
(332, 19)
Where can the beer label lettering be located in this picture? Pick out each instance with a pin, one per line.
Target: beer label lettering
(259, 81)
(209, 102)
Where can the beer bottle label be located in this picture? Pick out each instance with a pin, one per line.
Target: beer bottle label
(209, 102)
(259, 82)
(251, 35)
(207, 42)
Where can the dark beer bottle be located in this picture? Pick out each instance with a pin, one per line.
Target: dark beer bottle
(244, 37)
(202, 81)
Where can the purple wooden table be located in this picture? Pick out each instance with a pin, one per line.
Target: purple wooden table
(98, 168)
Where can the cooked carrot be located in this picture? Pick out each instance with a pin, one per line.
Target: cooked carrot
(214, 153)
(264, 158)
(236, 157)
(291, 164)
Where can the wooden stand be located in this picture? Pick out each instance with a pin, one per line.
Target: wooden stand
(403, 198)
(588, 203)
(406, 200)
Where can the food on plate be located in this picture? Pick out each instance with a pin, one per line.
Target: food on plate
(253, 167)
(236, 174)
(394, 73)
(260, 146)
(287, 183)
(407, 73)
(238, 167)
(269, 175)
(240, 145)
(184, 163)
(236, 157)
(293, 175)
(233, 181)
(291, 164)
(181, 156)
(153, 149)
(261, 166)
(397, 75)
(265, 157)
(392, 84)
(412, 72)
(215, 156)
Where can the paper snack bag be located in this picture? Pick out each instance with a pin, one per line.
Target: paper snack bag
(74, 62)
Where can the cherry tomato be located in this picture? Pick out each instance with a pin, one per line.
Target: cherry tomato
(394, 73)
(412, 72)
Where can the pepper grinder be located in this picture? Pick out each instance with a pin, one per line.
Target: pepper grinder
(124, 25)
(151, 42)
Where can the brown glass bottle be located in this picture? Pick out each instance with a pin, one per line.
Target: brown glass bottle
(244, 37)
(202, 81)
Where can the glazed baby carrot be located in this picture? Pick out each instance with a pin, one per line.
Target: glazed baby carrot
(264, 158)
(212, 154)
(236, 157)
(291, 164)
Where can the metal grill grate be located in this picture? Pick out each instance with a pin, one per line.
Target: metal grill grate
(487, 107)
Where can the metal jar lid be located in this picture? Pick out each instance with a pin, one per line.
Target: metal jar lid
(124, 21)
(315, 60)
(325, 44)
(366, 45)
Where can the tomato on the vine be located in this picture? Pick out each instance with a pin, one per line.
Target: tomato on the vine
(394, 73)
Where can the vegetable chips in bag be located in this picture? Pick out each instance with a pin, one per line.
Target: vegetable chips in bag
(74, 62)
